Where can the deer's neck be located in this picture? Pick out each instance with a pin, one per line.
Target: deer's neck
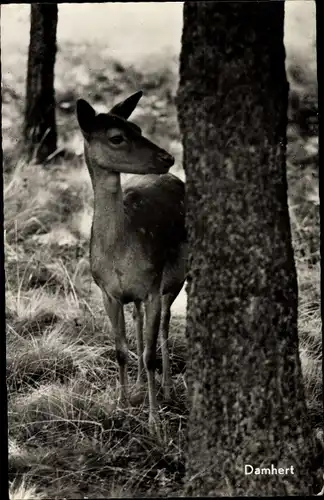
(108, 226)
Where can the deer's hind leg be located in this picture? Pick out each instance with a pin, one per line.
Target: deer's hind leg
(167, 301)
(152, 324)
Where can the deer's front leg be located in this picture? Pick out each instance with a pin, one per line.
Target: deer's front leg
(138, 317)
(115, 312)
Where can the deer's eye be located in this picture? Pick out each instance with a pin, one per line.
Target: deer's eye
(117, 139)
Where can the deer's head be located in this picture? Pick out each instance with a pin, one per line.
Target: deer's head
(115, 144)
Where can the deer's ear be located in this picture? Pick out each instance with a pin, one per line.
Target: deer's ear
(85, 115)
(125, 108)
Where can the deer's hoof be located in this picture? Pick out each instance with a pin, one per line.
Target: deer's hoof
(123, 400)
(167, 390)
(140, 386)
(155, 424)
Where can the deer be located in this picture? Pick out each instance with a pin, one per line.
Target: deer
(138, 237)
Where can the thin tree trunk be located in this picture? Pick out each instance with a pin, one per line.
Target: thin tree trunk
(40, 134)
(246, 395)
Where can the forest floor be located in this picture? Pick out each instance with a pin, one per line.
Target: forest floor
(67, 436)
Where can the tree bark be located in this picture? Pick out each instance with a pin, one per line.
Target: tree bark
(40, 134)
(246, 395)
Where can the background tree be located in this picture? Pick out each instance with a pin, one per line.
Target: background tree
(40, 134)
(320, 54)
(246, 393)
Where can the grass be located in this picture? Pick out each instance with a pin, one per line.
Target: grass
(68, 437)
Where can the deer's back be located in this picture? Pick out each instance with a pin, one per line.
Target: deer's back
(154, 209)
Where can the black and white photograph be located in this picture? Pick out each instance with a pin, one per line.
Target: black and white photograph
(161, 242)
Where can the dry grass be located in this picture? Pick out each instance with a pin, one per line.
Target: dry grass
(68, 437)
(22, 491)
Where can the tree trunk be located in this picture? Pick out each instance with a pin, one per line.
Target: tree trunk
(320, 83)
(246, 396)
(40, 134)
